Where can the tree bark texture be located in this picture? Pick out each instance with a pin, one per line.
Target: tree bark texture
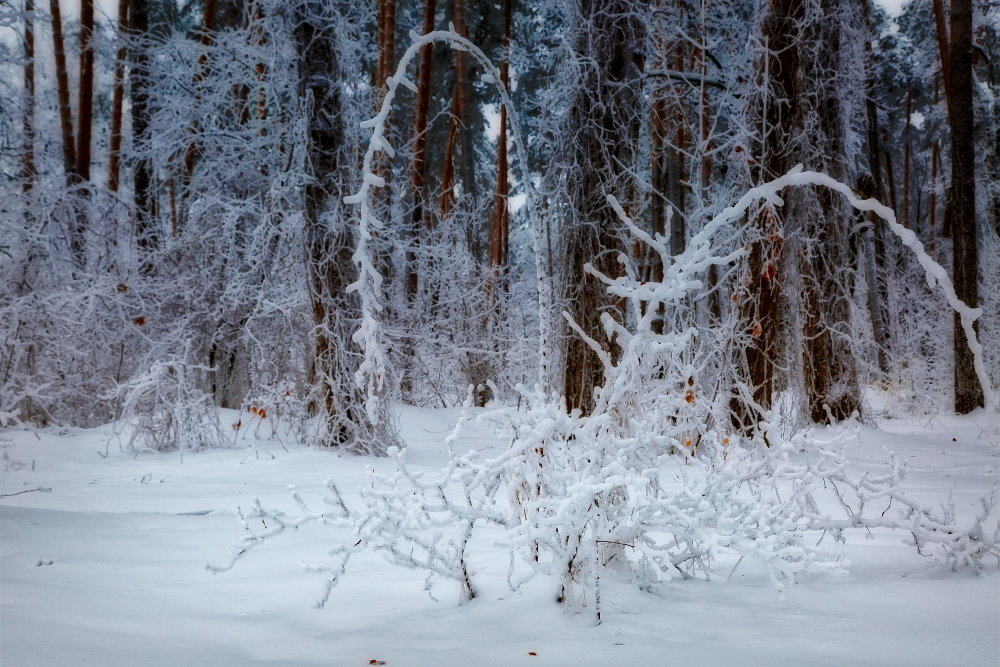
(962, 198)
(62, 85)
(86, 94)
(330, 236)
(602, 119)
(777, 71)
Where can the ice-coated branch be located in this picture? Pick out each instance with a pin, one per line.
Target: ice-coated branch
(699, 248)
(935, 273)
(371, 375)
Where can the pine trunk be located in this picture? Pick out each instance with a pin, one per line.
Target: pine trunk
(962, 198)
(62, 86)
(142, 176)
(499, 221)
(86, 94)
(605, 119)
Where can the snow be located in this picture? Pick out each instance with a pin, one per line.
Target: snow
(129, 536)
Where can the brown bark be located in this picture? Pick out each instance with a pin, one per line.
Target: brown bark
(943, 48)
(962, 199)
(603, 122)
(499, 232)
(118, 102)
(386, 62)
(420, 215)
(62, 85)
(418, 168)
(829, 366)
(759, 305)
(86, 94)
(460, 125)
(387, 40)
(260, 68)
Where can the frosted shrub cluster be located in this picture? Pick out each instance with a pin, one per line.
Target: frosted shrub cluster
(165, 409)
(649, 485)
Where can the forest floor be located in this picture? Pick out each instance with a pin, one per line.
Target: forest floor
(103, 554)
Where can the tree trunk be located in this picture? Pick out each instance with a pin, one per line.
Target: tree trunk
(147, 234)
(387, 40)
(460, 125)
(499, 232)
(943, 50)
(877, 290)
(932, 230)
(830, 371)
(118, 102)
(467, 134)
(28, 120)
(62, 85)
(962, 198)
(330, 238)
(86, 95)
(759, 305)
(603, 121)
(418, 169)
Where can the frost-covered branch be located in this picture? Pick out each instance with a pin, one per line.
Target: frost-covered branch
(371, 375)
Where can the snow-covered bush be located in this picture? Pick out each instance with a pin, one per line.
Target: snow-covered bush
(165, 409)
(638, 487)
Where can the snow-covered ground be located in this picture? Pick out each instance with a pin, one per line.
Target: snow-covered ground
(102, 562)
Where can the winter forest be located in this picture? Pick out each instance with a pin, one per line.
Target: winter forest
(503, 326)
